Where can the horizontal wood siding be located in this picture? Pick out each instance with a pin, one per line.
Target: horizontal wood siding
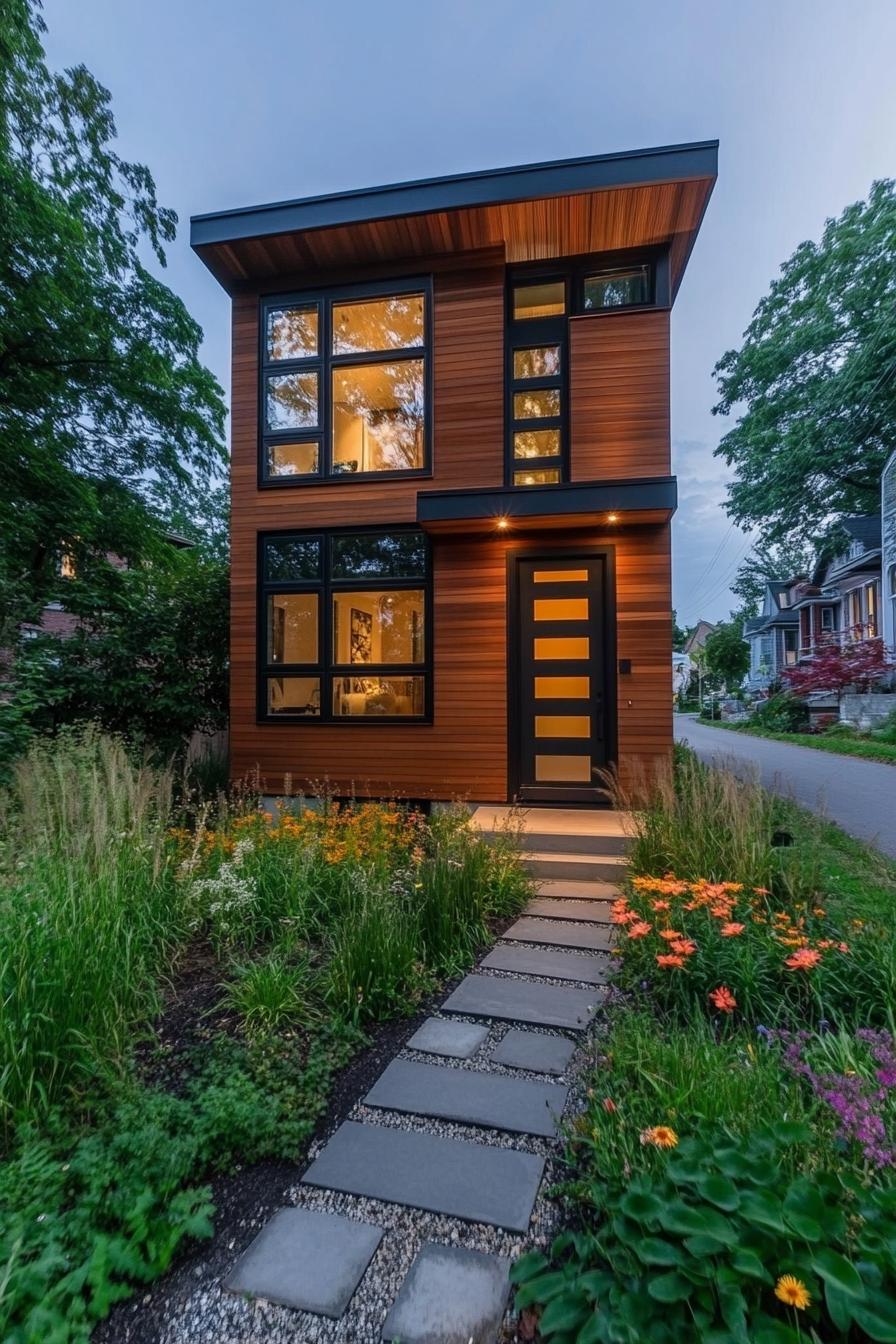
(619, 396)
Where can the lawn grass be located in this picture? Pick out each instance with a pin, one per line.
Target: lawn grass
(865, 748)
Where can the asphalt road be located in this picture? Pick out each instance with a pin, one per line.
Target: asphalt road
(860, 796)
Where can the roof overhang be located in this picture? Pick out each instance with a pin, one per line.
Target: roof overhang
(642, 501)
(602, 203)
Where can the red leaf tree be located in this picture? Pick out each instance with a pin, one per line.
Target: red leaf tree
(834, 668)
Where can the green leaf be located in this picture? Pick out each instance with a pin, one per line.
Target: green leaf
(596, 1283)
(670, 1287)
(734, 1313)
(834, 1268)
(642, 1208)
(528, 1265)
(541, 1289)
(789, 1132)
(877, 1317)
(762, 1209)
(686, 1221)
(839, 1306)
(590, 1331)
(806, 1228)
(701, 1245)
(719, 1190)
(769, 1331)
(655, 1251)
(568, 1312)
(748, 1262)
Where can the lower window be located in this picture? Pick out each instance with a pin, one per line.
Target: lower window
(345, 626)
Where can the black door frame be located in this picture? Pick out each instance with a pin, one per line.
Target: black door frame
(607, 553)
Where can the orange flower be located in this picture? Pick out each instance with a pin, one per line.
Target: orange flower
(623, 916)
(609, 1106)
(670, 935)
(659, 1136)
(639, 930)
(804, 959)
(683, 947)
(668, 961)
(731, 930)
(819, 913)
(762, 891)
(659, 905)
(842, 947)
(723, 999)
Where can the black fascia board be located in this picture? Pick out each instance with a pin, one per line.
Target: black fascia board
(624, 496)
(669, 163)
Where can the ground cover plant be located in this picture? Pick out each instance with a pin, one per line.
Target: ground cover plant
(291, 931)
(732, 1176)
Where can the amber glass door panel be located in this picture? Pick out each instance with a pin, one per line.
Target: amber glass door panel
(560, 652)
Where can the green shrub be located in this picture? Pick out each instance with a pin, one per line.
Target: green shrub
(887, 731)
(781, 713)
(699, 1247)
(841, 729)
(271, 993)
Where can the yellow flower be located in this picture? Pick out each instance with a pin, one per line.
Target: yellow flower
(792, 1291)
(659, 1136)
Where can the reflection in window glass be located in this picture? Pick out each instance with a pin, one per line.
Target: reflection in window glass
(291, 401)
(536, 405)
(617, 289)
(547, 299)
(540, 361)
(291, 558)
(385, 555)
(292, 628)
(293, 459)
(294, 695)
(378, 417)
(371, 627)
(292, 332)
(536, 443)
(378, 697)
(550, 476)
(394, 323)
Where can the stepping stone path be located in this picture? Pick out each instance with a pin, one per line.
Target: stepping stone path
(461, 1144)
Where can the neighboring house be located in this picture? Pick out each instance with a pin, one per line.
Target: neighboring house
(698, 637)
(773, 636)
(843, 600)
(451, 477)
(888, 553)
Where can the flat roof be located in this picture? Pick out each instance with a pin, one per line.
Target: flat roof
(457, 191)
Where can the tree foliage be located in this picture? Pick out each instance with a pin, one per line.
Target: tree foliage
(815, 380)
(150, 663)
(107, 416)
(727, 655)
(770, 563)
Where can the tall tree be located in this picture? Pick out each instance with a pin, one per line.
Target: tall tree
(815, 380)
(106, 413)
(727, 656)
(770, 562)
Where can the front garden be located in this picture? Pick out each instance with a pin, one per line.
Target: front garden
(181, 982)
(732, 1175)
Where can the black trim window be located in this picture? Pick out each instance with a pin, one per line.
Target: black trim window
(345, 384)
(539, 305)
(344, 632)
(536, 381)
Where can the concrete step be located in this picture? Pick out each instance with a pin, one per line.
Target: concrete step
(561, 933)
(523, 1001)
(469, 1097)
(553, 963)
(451, 1295)
(558, 889)
(578, 867)
(592, 912)
(564, 842)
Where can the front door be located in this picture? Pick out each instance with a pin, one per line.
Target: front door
(558, 659)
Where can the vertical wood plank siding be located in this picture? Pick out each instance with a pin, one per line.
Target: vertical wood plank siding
(464, 752)
(619, 396)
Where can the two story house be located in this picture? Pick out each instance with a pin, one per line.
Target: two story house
(773, 636)
(451, 477)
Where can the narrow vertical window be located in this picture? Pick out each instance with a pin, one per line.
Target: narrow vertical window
(536, 416)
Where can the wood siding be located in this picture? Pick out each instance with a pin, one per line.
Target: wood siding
(619, 428)
(619, 396)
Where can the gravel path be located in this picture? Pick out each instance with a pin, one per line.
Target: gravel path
(858, 795)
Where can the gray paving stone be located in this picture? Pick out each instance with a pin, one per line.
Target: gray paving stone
(465, 1180)
(437, 1036)
(311, 1261)
(549, 907)
(469, 1097)
(560, 933)
(450, 1296)
(523, 1001)
(548, 961)
(534, 1051)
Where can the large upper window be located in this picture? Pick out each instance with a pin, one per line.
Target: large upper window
(344, 384)
(345, 623)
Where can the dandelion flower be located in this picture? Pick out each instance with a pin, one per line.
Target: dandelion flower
(723, 999)
(659, 1136)
(793, 1291)
(804, 959)
(731, 930)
